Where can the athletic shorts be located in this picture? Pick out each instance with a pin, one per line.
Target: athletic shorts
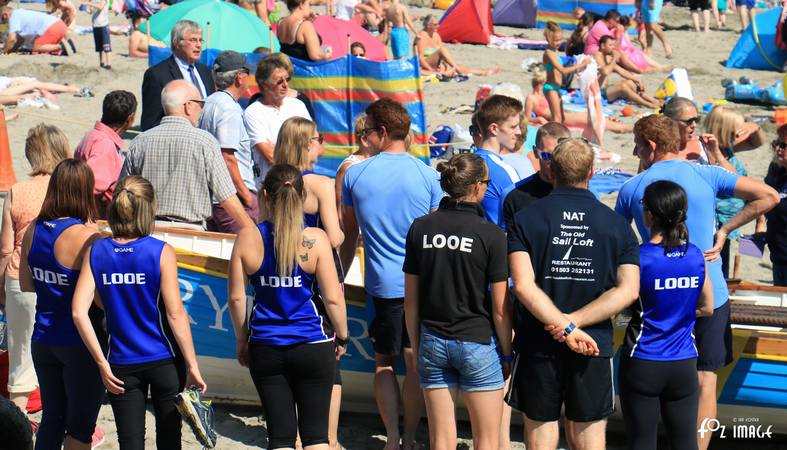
(699, 5)
(713, 336)
(388, 330)
(747, 3)
(53, 35)
(541, 386)
(101, 39)
(450, 363)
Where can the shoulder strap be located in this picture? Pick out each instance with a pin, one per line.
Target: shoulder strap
(297, 28)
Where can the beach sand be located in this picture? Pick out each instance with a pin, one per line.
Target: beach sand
(242, 427)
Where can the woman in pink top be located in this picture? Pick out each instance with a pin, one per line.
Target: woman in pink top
(45, 147)
(603, 27)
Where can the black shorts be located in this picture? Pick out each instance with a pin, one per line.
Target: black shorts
(101, 39)
(388, 330)
(540, 387)
(713, 336)
(697, 5)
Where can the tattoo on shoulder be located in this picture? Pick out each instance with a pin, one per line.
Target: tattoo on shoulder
(304, 257)
(308, 243)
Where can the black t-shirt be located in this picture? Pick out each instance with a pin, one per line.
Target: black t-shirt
(525, 192)
(776, 234)
(456, 253)
(576, 244)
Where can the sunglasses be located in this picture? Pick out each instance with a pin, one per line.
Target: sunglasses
(365, 132)
(486, 182)
(542, 154)
(778, 145)
(198, 101)
(281, 81)
(690, 122)
(319, 139)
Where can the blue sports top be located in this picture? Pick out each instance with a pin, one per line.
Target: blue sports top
(662, 323)
(287, 309)
(128, 279)
(311, 220)
(54, 285)
(703, 184)
(502, 177)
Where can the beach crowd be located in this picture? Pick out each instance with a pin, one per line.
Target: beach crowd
(496, 275)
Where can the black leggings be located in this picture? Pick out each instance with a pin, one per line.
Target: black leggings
(294, 376)
(165, 379)
(669, 387)
(71, 393)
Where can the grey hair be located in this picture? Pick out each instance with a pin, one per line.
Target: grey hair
(223, 80)
(675, 105)
(174, 95)
(425, 21)
(181, 28)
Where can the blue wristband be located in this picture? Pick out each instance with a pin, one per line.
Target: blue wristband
(569, 328)
(507, 359)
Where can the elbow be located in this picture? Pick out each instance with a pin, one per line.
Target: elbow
(705, 310)
(773, 199)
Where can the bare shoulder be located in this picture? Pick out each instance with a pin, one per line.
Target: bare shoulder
(313, 237)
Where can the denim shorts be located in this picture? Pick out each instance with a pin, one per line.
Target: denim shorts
(449, 363)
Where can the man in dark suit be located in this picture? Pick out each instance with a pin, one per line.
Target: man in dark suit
(183, 64)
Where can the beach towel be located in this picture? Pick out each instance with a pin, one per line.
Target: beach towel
(588, 85)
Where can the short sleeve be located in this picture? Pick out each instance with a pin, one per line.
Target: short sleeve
(517, 241)
(14, 24)
(629, 248)
(497, 266)
(347, 198)
(722, 180)
(256, 126)
(622, 206)
(228, 125)
(437, 193)
(411, 254)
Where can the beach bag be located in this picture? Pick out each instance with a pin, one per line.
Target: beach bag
(676, 84)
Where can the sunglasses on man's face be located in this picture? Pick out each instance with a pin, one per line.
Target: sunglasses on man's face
(366, 131)
(689, 122)
(281, 81)
(542, 154)
(779, 145)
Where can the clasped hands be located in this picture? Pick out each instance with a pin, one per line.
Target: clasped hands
(577, 339)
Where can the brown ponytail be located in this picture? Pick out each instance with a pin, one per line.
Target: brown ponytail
(284, 187)
(132, 213)
(667, 204)
(460, 173)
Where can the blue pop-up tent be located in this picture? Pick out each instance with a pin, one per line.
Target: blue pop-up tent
(756, 48)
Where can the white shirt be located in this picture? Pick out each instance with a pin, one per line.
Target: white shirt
(345, 9)
(184, 70)
(263, 123)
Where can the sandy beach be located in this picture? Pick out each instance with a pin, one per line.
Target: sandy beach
(242, 427)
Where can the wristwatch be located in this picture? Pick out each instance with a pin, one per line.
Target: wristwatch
(569, 328)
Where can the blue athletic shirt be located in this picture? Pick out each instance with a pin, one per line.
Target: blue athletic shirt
(502, 178)
(287, 309)
(703, 184)
(54, 285)
(128, 279)
(662, 322)
(388, 192)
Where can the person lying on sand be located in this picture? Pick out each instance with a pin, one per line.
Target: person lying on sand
(14, 89)
(435, 57)
(538, 113)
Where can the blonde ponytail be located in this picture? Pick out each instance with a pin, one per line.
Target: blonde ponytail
(132, 213)
(285, 192)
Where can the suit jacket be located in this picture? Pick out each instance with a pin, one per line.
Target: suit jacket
(155, 79)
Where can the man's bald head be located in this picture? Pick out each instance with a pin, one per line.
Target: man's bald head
(181, 98)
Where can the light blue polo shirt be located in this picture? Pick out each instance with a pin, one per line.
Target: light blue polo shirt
(222, 117)
(703, 184)
(388, 192)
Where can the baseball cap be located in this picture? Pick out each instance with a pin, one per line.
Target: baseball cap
(230, 60)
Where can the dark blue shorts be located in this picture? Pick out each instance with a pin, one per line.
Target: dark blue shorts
(713, 336)
(388, 330)
(748, 3)
(101, 39)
